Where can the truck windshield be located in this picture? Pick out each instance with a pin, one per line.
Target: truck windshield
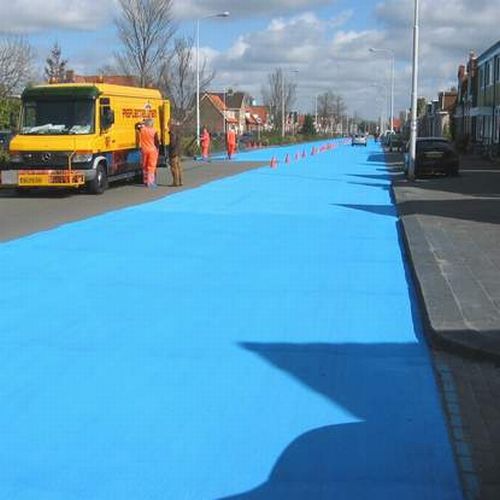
(58, 117)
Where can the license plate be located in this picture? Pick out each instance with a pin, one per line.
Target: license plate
(33, 180)
(433, 155)
(55, 178)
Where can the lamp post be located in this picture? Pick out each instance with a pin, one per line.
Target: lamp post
(414, 87)
(220, 14)
(283, 99)
(383, 100)
(391, 53)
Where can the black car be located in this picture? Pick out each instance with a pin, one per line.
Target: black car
(434, 155)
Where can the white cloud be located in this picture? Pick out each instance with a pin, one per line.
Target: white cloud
(196, 8)
(26, 16)
(331, 54)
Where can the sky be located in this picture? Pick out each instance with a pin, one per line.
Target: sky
(326, 41)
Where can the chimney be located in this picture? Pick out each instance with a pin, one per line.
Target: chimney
(461, 72)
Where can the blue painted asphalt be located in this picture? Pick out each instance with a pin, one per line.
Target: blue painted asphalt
(254, 338)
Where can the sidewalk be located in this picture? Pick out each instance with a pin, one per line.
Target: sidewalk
(451, 228)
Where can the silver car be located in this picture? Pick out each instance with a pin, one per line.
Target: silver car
(359, 140)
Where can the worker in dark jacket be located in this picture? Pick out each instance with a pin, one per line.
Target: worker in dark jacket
(174, 155)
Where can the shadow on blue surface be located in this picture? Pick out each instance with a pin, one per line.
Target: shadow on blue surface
(378, 157)
(368, 459)
(378, 177)
(389, 210)
(374, 185)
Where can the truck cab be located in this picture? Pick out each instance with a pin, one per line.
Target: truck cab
(74, 135)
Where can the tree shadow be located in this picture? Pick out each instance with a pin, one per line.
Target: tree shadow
(377, 157)
(377, 177)
(398, 449)
(374, 185)
(388, 210)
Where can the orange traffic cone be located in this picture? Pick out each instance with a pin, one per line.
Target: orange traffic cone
(297, 156)
(274, 162)
(304, 153)
(287, 159)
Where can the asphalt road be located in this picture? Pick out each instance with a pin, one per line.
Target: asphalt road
(40, 210)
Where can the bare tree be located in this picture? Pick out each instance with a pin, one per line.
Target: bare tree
(326, 105)
(331, 109)
(145, 29)
(178, 78)
(278, 90)
(16, 59)
(339, 108)
(55, 65)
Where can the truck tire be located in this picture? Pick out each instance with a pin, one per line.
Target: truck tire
(100, 182)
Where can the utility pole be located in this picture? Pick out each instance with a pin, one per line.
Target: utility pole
(414, 90)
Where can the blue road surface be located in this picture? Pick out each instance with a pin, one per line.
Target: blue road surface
(252, 339)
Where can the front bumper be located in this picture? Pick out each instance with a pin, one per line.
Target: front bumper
(25, 178)
(429, 167)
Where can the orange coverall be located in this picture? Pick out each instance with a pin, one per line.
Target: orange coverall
(205, 144)
(230, 143)
(149, 150)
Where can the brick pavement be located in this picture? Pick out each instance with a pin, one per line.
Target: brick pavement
(451, 227)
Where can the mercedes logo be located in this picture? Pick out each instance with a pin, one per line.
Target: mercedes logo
(46, 157)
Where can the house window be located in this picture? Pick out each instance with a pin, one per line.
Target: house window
(487, 74)
(497, 69)
(481, 77)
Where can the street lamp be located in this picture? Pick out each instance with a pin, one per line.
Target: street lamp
(383, 100)
(391, 53)
(220, 14)
(414, 85)
(283, 99)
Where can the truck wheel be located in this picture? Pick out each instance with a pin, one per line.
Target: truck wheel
(100, 182)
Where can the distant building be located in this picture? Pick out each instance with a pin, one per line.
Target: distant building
(214, 114)
(488, 96)
(477, 114)
(438, 116)
(257, 118)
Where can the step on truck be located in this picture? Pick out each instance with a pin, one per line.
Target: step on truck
(81, 135)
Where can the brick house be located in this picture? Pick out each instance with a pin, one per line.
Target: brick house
(437, 120)
(213, 114)
(477, 115)
(488, 96)
(236, 104)
(257, 119)
(466, 108)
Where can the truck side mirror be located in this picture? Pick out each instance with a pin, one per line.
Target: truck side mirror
(107, 117)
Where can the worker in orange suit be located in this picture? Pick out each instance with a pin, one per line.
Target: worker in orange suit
(205, 143)
(230, 142)
(150, 145)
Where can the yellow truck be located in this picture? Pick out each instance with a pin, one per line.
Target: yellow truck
(81, 134)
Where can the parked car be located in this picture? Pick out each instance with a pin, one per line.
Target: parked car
(433, 155)
(384, 138)
(395, 142)
(359, 140)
